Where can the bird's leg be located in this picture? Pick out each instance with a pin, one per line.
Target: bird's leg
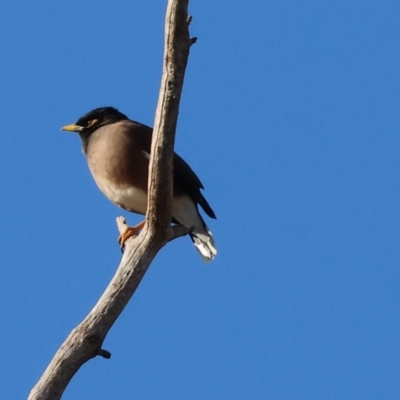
(129, 232)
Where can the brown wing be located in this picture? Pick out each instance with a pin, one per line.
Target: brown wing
(185, 179)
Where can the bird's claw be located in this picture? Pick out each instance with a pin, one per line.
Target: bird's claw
(129, 232)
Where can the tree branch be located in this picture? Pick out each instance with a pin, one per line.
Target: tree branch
(85, 341)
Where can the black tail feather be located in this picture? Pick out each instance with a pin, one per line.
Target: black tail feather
(206, 207)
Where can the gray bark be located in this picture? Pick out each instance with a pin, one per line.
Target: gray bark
(85, 341)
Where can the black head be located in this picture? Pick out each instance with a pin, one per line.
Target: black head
(95, 119)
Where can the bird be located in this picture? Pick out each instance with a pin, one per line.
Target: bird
(117, 151)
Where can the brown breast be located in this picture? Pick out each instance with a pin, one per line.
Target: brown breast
(119, 165)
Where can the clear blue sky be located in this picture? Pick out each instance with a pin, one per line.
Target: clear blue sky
(290, 116)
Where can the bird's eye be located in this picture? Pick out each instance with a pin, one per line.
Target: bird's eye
(90, 123)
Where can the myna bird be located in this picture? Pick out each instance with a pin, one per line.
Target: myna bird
(117, 150)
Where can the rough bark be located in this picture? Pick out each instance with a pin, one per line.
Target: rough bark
(85, 341)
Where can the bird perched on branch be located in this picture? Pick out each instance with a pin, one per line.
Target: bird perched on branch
(117, 150)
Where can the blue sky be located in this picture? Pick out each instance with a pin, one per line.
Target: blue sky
(290, 117)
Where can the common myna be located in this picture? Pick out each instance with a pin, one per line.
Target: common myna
(117, 150)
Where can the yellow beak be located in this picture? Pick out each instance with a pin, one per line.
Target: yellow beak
(72, 128)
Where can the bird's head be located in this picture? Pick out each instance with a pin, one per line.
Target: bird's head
(93, 120)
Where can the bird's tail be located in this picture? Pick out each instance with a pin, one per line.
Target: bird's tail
(185, 212)
(204, 243)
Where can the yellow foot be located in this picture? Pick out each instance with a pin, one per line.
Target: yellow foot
(129, 232)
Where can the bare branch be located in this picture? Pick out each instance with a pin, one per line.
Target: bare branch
(121, 225)
(85, 341)
(177, 45)
(104, 353)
